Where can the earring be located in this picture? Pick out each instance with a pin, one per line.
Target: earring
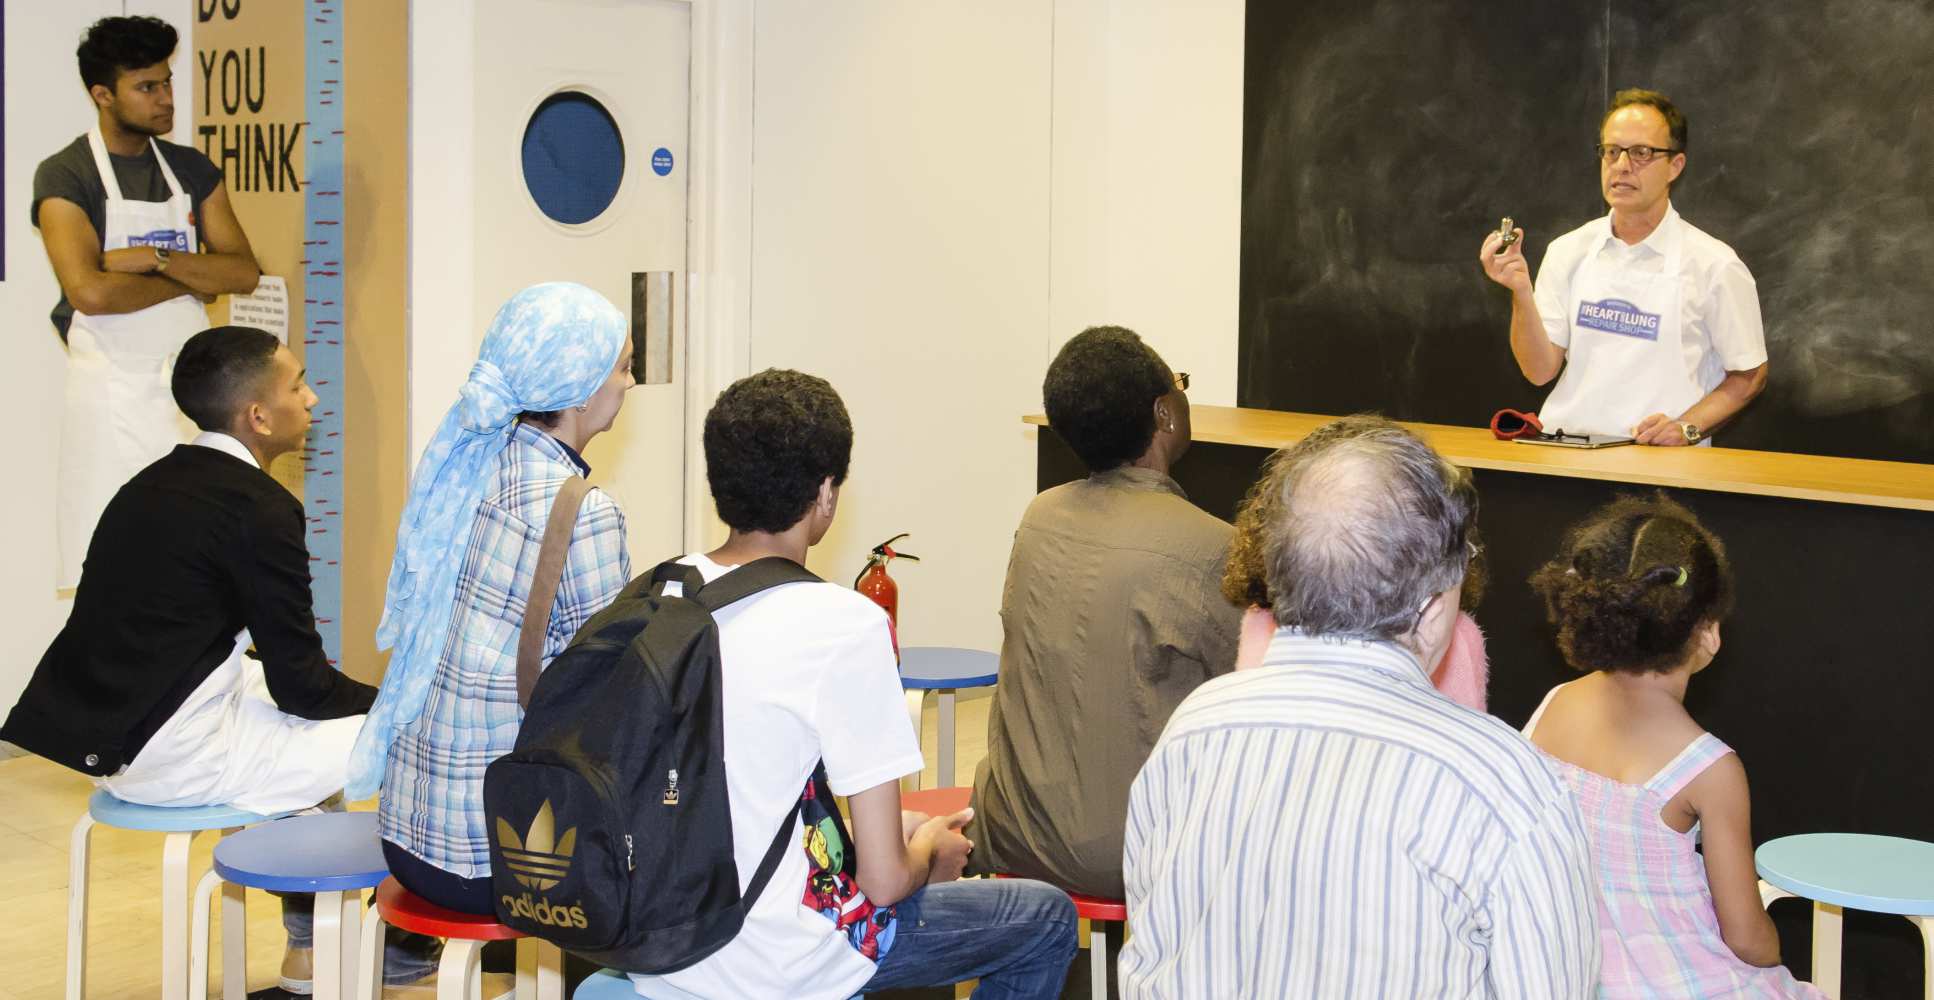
(584, 406)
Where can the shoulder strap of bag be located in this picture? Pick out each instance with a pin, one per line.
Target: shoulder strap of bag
(550, 572)
(752, 578)
(777, 851)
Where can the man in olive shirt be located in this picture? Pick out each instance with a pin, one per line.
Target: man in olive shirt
(1112, 614)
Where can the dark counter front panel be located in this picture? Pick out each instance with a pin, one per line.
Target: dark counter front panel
(1824, 686)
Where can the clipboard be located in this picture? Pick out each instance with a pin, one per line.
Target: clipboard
(1563, 440)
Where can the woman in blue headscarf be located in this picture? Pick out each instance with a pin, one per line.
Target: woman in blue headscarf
(551, 375)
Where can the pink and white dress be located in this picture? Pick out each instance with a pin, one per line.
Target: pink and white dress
(1658, 931)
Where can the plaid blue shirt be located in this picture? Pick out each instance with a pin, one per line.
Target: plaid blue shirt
(433, 790)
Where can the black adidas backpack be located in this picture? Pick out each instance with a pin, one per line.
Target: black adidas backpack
(610, 830)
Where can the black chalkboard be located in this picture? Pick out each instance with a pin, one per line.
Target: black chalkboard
(1381, 141)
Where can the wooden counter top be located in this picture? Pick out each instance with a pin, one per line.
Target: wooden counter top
(1765, 473)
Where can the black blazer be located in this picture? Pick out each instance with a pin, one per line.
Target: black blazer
(192, 550)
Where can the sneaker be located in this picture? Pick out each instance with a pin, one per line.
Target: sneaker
(298, 972)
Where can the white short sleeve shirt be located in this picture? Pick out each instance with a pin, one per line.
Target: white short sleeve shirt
(809, 673)
(1719, 302)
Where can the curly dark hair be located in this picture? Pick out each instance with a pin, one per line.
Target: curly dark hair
(1098, 394)
(1631, 584)
(770, 440)
(115, 45)
(1245, 577)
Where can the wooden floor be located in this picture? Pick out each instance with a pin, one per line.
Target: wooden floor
(39, 803)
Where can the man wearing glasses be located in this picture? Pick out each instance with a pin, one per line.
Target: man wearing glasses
(1650, 325)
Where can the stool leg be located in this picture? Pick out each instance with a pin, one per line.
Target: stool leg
(1926, 924)
(916, 706)
(174, 915)
(456, 973)
(1769, 894)
(1098, 960)
(329, 946)
(1826, 948)
(77, 850)
(234, 941)
(234, 936)
(369, 957)
(351, 931)
(526, 969)
(947, 738)
(540, 970)
(198, 937)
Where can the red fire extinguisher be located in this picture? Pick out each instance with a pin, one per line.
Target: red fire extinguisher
(874, 582)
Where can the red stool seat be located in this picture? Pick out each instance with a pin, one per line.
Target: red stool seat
(937, 801)
(402, 909)
(1096, 908)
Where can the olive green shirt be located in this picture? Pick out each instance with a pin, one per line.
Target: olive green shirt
(1112, 613)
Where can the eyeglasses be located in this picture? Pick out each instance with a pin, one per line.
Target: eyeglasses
(1471, 551)
(1641, 156)
(1182, 381)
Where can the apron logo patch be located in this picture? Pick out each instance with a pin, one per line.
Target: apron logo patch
(173, 239)
(1620, 317)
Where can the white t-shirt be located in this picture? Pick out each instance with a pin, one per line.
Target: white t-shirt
(1718, 301)
(809, 673)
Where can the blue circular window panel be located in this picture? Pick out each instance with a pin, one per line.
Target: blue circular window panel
(574, 157)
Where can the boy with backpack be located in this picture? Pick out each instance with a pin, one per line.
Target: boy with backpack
(788, 686)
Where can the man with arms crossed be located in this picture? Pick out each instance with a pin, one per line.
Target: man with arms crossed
(121, 213)
(1327, 824)
(1651, 326)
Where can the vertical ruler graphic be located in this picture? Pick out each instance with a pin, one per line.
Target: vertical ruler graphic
(322, 312)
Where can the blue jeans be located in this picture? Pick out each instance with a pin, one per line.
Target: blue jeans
(1015, 935)
(406, 957)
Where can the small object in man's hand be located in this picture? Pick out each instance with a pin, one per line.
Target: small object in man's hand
(1507, 235)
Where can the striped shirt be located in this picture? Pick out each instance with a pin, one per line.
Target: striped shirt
(433, 790)
(1328, 825)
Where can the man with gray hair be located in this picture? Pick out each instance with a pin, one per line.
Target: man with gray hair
(1327, 824)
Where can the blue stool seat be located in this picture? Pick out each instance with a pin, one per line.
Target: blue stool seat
(334, 855)
(330, 852)
(943, 669)
(1855, 870)
(105, 808)
(934, 668)
(605, 985)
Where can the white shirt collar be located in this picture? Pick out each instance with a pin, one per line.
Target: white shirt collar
(1660, 241)
(225, 443)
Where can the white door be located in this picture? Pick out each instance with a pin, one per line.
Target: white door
(633, 59)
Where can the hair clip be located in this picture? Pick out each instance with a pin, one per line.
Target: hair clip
(1681, 581)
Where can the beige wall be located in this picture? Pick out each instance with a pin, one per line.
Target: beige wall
(376, 421)
(943, 193)
(45, 108)
(258, 56)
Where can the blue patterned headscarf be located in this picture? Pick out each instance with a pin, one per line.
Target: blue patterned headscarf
(549, 348)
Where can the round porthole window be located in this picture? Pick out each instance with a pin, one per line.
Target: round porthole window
(574, 157)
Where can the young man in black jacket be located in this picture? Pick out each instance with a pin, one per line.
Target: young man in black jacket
(149, 687)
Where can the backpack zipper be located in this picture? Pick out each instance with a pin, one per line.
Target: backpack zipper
(630, 866)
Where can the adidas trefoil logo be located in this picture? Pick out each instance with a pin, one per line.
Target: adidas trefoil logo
(538, 860)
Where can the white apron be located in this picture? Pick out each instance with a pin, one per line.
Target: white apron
(120, 414)
(229, 744)
(1626, 361)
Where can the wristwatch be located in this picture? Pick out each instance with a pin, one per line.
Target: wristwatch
(1691, 431)
(160, 259)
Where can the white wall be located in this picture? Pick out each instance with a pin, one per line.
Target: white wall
(1147, 212)
(945, 193)
(45, 109)
(899, 235)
